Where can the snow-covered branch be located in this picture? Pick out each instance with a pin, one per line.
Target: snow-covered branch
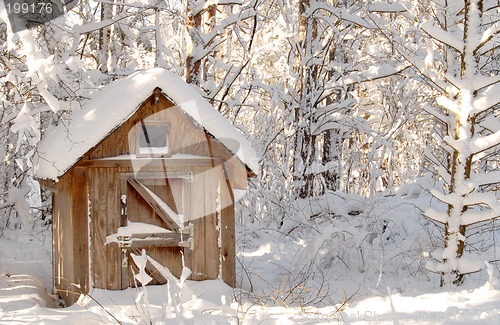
(339, 12)
(17, 198)
(440, 169)
(204, 6)
(483, 143)
(445, 198)
(393, 7)
(486, 178)
(419, 64)
(471, 217)
(443, 36)
(436, 215)
(370, 74)
(479, 82)
(91, 27)
(437, 114)
(491, 123)
(490, 46)
(329, 109)
(134, 4)
(225, 23)
(488, 99)
(448, 104)
(475, 145)
(479, 198)
(488, 35)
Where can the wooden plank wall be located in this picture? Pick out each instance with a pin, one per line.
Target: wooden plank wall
(228, 243)
(70, 236)
(197, 256)
(139, 211)
(62, 240)
(80, 225)
(204, 259)
(212, 256)
(183, 137)
(104, 193)
(105, 215)
(169, 257)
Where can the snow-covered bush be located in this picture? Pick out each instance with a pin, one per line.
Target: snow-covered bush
(366, 243)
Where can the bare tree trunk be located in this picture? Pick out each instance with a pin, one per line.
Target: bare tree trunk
(461, 161)
(332, 153)
(305, 141)
(105, 37)
(158, 40)
(193, 25)
(209, 24)
(333, 138)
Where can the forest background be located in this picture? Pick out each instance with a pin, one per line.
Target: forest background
(357, 100)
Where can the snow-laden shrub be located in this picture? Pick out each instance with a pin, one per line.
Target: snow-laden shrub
(333, 246)
(377, 239)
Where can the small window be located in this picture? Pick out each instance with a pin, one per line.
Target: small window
(153, 138)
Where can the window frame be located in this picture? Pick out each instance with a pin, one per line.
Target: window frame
(153, 153)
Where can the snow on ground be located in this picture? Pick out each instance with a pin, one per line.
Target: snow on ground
(357, 261)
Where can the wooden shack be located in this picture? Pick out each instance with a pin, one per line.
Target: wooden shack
(146, 164)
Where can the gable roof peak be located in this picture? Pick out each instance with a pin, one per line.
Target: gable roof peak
(73, 138)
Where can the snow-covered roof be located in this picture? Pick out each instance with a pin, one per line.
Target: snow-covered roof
(115, 104)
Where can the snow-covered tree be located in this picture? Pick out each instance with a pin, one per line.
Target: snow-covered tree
(454, 47)
(321, 55)
(209, 29)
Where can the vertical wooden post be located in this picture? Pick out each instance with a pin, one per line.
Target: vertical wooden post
(123, 255)
(97, 228)
(105, 216)
(112, 219)
(228, 244)
(204, 258)
(55, 242)
(80, 232)
(212, 253)
(198, 266)
(63, 238)
(186, 209)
